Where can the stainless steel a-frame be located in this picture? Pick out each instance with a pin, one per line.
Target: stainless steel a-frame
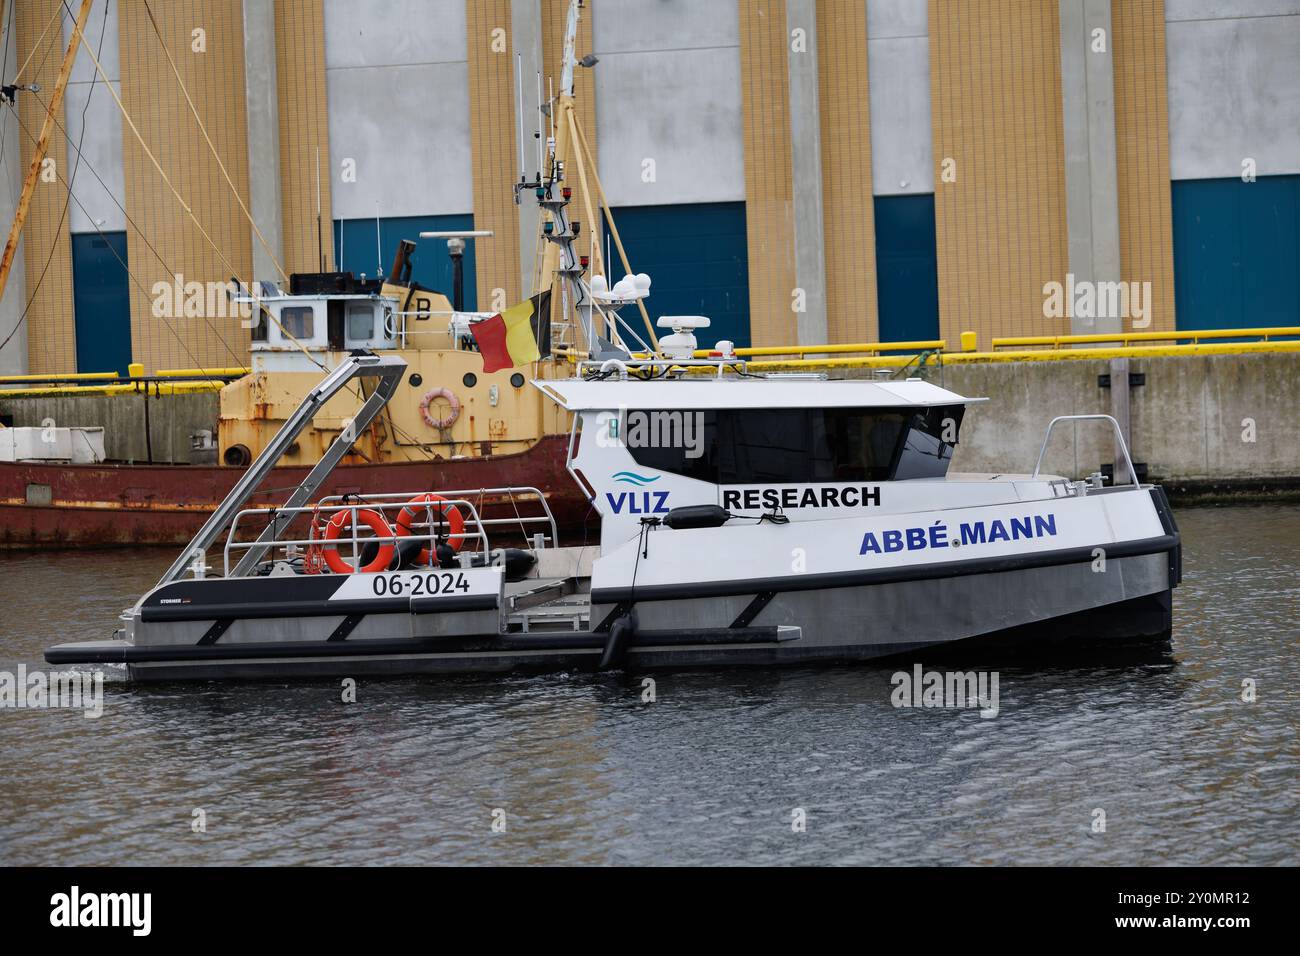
(387, 368)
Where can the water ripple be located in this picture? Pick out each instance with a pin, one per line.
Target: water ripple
(714, 771)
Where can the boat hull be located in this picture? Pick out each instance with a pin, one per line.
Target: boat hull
(119, 505)
(1059, 601)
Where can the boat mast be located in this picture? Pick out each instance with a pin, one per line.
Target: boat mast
(42, 144)
(561, 268)
(560, 259)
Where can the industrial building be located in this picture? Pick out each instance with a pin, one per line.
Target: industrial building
(801, 171)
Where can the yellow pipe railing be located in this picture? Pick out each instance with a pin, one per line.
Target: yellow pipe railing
(1033, 348)
(155, 388)
(200, 372)
(110, 383)
(1034, 355)
(70, 377)
(1195, 336)
(874, 348)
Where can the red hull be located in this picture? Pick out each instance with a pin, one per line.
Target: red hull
(114, 505)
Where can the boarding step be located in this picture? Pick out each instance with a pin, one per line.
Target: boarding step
(556, 615)
(541, 592)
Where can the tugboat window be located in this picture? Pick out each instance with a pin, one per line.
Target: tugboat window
(361, 321)
(263, 322)
(807, 446)
(334, 325)
(299, 321)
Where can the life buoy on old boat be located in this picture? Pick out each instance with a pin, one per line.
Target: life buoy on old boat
(423, 504)
(341, 520)
(452, 414)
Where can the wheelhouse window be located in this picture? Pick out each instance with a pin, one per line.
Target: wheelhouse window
(931, 437)
(299, 321)
(263, 323)
(361, 321)
(810, 445)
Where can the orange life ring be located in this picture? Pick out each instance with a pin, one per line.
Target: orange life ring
(418, 506)
(343, 519)
(452, 415)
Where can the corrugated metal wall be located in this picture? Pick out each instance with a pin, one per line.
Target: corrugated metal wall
(769, 209)
(304, 133)
(170, 241)
(493, 148)
(848, 216)
(1142, 153)
(1000, 227)
(47, 249)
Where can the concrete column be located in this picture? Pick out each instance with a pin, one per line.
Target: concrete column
(13, 357)
(806, 166)
(263, 107)
(526, 37)
(1091, 192)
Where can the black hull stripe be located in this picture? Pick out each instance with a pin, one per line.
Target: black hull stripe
(320, 608)
(119, 652)
(868, 576)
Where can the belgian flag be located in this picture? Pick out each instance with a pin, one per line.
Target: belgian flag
(509, 339)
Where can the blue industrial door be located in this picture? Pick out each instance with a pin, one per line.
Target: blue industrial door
(1237, 252)
(698, 261)
(907, 271)
(101, 302)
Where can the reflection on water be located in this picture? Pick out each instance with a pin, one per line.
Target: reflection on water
(709, 773)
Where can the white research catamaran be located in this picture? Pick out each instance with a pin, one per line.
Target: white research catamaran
(744, 520)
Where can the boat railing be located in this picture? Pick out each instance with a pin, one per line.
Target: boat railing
(621, 367)
(356, 537)
(1120, 444)
(431, 527)
(395, 323)
(513, 495)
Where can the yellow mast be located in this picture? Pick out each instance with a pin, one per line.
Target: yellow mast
(42, 143)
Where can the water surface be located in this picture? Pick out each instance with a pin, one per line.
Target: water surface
(711, 772)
